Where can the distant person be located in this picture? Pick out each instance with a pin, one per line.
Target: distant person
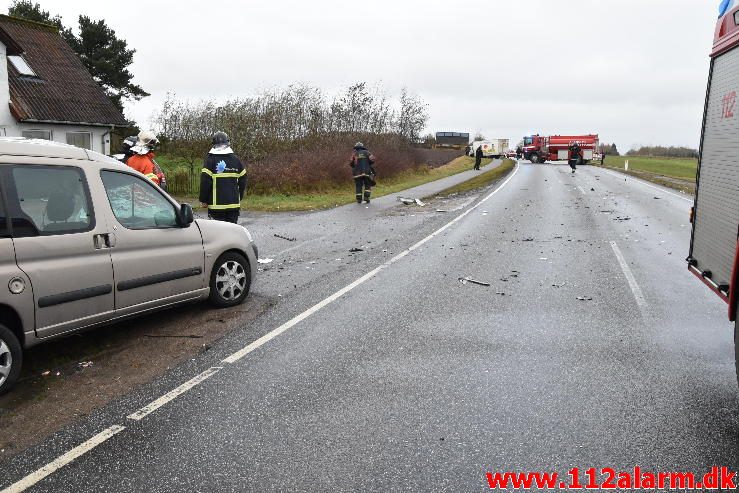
(222, 181)
(467, 151)
(519, 153)
(478, 157)
(602, 158)
(575, 156)
(142, 157)
(363, 172)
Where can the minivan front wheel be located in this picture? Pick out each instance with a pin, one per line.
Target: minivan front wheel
(230, 280)
(11, 358)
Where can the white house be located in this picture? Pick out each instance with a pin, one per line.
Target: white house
(47, 93)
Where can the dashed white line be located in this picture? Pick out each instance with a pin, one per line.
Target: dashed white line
(63, 460)
(638, 295)
(173, 394)
(101, 437)
(642, 182)
(317, 307)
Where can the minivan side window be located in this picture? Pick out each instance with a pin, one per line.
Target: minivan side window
(137, 203)
(48, 200)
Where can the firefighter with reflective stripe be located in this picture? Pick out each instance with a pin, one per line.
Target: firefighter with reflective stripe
(364, 174)
(223, 181)
(142, 156)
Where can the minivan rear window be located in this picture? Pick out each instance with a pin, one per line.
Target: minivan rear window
(48, 200)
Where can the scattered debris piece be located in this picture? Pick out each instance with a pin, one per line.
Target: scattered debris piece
(406, 201)
(441, 210)
(625, 218)
(46, 373)
(419, 203)
(658, 198)
(85, 364)
(543, 258)
(500, 293)
(559, 285)
(585, 298)
(355, 250)
(265, 260)
(284, 237)
(465, 280)
(528, 239)
(592, 189)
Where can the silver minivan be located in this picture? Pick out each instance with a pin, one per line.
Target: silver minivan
(85, 241)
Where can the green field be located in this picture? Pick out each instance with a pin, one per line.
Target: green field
(334, 197)
(675, 173)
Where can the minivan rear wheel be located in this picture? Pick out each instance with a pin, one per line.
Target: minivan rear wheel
(230, 280)
(11, 359)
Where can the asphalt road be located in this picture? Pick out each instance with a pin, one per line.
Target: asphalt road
(593, 347)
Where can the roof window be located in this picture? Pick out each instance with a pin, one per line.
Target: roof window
(21, 65)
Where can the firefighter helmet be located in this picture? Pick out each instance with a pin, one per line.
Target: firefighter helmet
(221, 139)
(130, 141)
(147, 138)
(358, 145)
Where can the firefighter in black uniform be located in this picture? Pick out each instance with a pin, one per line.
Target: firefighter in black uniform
(478, 157)
(575, 156)
(361, 163)
(223, 181)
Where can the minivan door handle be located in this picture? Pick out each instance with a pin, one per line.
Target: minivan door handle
(104, 240)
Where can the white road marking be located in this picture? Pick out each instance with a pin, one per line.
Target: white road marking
(638, 180)
(317, 307)
(63, 460)
(101, 437)
(638, 295)
(173, 394)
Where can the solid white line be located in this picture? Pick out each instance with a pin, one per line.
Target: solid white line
(640, 300)
(315, 308)
(63, 460)
(173, 394)
(639, 180)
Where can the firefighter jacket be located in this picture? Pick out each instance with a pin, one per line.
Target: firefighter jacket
(144, 164)
(223, 180)
(361, 162)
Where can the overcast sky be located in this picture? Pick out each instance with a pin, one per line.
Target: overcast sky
(634, 71)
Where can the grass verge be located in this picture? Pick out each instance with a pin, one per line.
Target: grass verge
(335, 197)
(675, 173)
(481, 180)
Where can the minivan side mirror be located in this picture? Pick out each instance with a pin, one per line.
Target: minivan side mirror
(185, 217)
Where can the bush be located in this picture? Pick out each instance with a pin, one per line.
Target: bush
(295, 139)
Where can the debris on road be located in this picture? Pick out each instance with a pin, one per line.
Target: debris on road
(559, 285)
(500, 293)
(441, 210)
(284, 237)
(625, 218)
(465, 280)
(265, 260)
(46, 373)
(528, 239)
(585, 298)
(410, 201)
(658, 198)
(355, 250)
(85, 364)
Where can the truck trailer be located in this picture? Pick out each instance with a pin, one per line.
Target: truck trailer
(540, 149)
(714, 245)
(494, 148)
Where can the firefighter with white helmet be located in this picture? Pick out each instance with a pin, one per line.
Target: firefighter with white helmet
(364, 174)
(142, 158)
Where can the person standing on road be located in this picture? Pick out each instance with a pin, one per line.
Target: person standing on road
(478, 157)
(602, 158)
(142, 157)
(575, 156)
(222, 181)
(519, 153)
(361, 163)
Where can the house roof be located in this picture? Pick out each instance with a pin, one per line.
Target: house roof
(64, 90)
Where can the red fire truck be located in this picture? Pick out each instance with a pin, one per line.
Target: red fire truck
(714, 244)
(538, 149)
